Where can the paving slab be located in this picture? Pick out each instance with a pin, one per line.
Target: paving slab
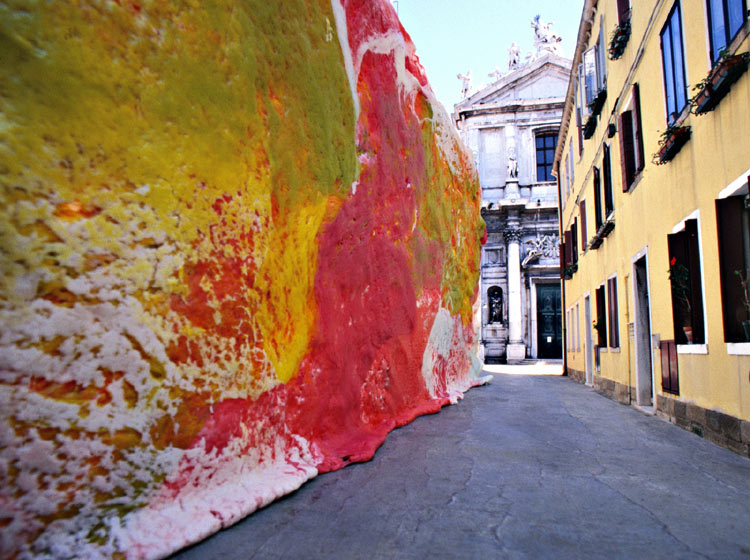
(528, 466)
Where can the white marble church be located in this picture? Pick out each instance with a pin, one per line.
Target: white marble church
(511, 126)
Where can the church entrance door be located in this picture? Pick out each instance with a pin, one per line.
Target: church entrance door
(549, 321)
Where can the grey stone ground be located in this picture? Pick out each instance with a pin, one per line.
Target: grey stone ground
(528, 466)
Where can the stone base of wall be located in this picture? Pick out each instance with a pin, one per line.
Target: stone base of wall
(577, 375)
(717, 427)
(611, 389)
(619, 392)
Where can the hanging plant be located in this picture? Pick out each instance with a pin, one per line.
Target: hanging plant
(619, 40)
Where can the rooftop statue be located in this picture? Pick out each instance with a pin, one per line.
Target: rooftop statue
(514, 56)
(495, 74)
(545, 40)
(466, 84)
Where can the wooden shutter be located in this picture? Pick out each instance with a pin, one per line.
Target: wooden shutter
(614, 332)
(568, 248)
(729, 228)
(561, 253)
(627, 150)
(607, 171)
(597, 199)
(640, 164)
(584, 236)
(623, 11)
(696, 292)
(574, 243)
(670, 381)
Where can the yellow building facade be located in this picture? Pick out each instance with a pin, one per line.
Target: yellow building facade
(653, 165)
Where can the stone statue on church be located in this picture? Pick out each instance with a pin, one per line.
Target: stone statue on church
(512, 164)
(495, 74)
(495, 297)
(465, 84)
(514, 56)
(545, 40)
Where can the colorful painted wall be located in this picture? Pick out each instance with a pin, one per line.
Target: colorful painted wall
(239, 244)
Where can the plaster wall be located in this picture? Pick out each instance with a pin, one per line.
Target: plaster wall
(712, 375)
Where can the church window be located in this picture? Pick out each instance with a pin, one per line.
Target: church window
(545, 155)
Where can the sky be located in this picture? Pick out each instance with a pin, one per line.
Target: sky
(453, 36)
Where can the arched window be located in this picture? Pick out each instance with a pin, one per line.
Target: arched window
(495, 299)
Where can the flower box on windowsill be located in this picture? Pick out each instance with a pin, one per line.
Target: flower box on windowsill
(718, 82)
(619, 40)
(598, 102)
(673, 141)
(569, 271)
(590, 127)
(604, 230)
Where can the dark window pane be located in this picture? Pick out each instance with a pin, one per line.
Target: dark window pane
(679, 67)
(718, 30)
(666, 48)
(737, 14)
(545, 155)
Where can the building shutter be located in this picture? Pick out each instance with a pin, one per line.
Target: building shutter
(627, 153)
(729, 225)
(568, 248)
(640, 163)
(574, 242)
(623, 11)
(614, 333)
(696, 293)
(597, 199)
(563, 263)
(607, 172)
(670, 382)
(584, 236)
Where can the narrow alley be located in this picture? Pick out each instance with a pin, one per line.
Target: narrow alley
(528, 466)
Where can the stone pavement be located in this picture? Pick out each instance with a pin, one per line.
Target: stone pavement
(529, 466)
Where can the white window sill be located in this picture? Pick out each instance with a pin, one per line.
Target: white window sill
(692, 348)
(615, 350)
(738, 348)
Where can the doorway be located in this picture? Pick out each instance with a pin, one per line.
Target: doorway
(587, 341)
(548, 321)
(644, 385)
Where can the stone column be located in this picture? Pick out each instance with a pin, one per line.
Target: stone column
(516, 350)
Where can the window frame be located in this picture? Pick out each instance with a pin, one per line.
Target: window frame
(613, 310)
(733, 207)
(549, 153)
(728, 35)
(678, 92)
(684, 244)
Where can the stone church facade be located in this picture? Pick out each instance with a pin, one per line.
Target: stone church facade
(511, 126)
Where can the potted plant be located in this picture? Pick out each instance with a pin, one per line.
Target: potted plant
(569, 271)
(745, 302)
(670, 143)
(679, 278)
(619, 39)
(589, 127)
(597, 103)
